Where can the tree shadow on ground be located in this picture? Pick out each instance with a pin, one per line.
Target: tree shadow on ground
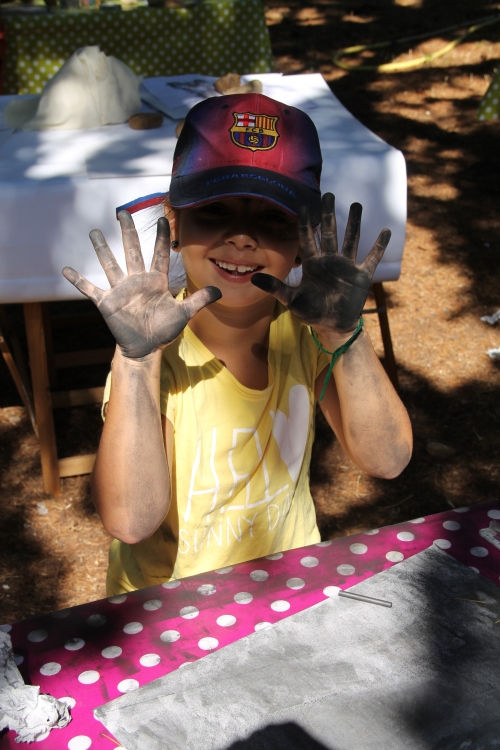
(465, 418)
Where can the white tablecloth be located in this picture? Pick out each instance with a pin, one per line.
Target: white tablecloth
(55, 186)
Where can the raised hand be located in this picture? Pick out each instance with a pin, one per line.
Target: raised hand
(333, 289)
(139, 310)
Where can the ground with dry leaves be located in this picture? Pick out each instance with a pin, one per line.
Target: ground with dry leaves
(53, 551)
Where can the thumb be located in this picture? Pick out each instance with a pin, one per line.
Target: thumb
(273, 286)
(200, 299)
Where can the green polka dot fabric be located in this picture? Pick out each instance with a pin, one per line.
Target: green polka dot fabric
(212, 38)
(489, 109)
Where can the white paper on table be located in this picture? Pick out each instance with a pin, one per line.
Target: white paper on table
(22, 707)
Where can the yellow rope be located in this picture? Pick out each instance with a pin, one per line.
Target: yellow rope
(394, 67)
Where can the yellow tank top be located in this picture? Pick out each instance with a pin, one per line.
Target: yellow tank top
(240, 475)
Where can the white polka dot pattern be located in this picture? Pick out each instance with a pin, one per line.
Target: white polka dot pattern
(61, 614)
(345, 569)
(171, 584)
(125, 686)
(259, 575)
(74, 644)
(358, 549)
(133, 627)
(243, 597)
(189, 613)
(149, 660)
(170, 636)
(111, 652)
(489, 108)
(331, 590)
(80, 742)
(309, 562)
(479, 551)
(394, 556)
(225, 621)
(152, 605)
(51, 668)
(88, 677)
(36, 636)
(95, 621)
(68, 701)
(208, 644)
(234, 36)
(442, 543)
(451, 525)
(262, 626)
(117, 599)
(280, 605)
(406, 536)
(207, 589)
(295, 583)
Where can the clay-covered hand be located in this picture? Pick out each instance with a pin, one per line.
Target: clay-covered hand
(139, 310)
(333, 289)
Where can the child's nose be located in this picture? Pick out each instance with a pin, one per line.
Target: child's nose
(242, 241)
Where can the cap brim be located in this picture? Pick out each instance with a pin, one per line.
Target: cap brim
(202, 187)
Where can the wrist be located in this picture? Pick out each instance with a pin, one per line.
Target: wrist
(148, 362)
(332, 340)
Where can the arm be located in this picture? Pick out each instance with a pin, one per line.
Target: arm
(130, 482)
(365, 412)
(360, 403)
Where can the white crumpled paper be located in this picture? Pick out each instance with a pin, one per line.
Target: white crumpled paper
(22, 707)
(90, 90)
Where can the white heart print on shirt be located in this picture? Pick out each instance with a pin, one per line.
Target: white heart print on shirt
(291, 433)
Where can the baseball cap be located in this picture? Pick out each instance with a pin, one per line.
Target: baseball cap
(251, 146)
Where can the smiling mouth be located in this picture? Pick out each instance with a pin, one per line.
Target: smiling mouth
(235, 270)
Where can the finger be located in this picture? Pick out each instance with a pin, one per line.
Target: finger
(375, 255)
(351, 238)
(83, 286)
(273, 286)
(131, 244)
(161, 257)
(113, 272)
(307, 245)
(329, 242)
(200, 299)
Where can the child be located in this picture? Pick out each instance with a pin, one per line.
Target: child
(205, 452)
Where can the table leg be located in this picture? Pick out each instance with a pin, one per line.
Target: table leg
(383, 318)
(12, 354)
(33, 316)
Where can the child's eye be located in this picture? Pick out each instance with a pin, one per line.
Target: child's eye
(279, 223)
(212, 210)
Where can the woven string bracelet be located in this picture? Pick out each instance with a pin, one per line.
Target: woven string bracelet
(337, 353)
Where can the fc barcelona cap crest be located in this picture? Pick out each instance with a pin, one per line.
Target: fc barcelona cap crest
(248, 145)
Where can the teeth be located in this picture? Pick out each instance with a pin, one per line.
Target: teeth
(232, 267)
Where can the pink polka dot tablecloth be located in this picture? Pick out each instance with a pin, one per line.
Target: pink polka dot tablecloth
(93, 653)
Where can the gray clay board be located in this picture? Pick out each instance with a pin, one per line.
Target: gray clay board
(343, 675)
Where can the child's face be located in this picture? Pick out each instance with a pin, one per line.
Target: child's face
(225, 242)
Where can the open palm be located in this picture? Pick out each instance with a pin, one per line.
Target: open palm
(333, 289)
(139, 309)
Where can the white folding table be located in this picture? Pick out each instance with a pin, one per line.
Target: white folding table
(55, 186)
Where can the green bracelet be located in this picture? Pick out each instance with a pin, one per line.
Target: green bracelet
(337, 353)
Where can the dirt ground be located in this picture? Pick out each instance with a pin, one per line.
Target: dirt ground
(53, 551)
